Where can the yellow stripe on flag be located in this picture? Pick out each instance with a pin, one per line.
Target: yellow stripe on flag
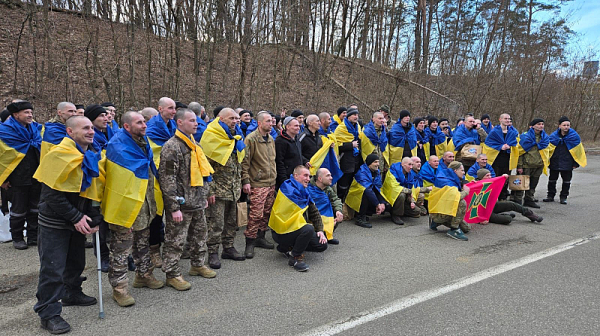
(354, 197)
(391, 188)
(124, 195)
(9, 160)
(286, 216)
(444, 200)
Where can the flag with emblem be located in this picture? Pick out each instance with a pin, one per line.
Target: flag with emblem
(482, 198)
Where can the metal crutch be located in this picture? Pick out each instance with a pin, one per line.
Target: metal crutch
(101, 314)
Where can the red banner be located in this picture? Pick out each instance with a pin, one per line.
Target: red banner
(482, 198)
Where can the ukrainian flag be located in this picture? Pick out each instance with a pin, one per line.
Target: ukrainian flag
(528, 139)
(437, 140)
(362, 180)
(346, 132)
(397, 140)
(494, 142)
(158, 133)
(574, 145)
(395, 181)
(15, 141)
(445, 196)
(54, 132)
(335, 123)
(218, 143)
(369, 141)
(126, 179)
(67, 168)
(325, 158)
(324, 205)
(289, 207)
(463, 136)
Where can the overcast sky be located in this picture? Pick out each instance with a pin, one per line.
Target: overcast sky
(585, 20)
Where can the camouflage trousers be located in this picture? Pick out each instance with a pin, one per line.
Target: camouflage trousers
(191, 229)
(454, 222)
(123, 240)
(402, 208)
(222, 223)
(261, 202)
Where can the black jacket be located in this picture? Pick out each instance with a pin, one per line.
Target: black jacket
(561, 158)
(311, 143)
(23, 173)
(348, 162)
(288, 155)
(62, 210)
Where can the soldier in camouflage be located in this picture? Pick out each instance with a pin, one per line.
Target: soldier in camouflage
(185, 200)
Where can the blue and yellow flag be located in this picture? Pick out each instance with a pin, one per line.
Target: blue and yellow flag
(67, 168)
(437, 139)
(335, 122)
(54, 132)
(445, 196)
(472, 173)
(218, 142)
(423, 138)
(101, 139)
(496, 139)
(462, 136)
(249, 127)
(369, 141)
(200, 129)
(528, 140)
(573, 143)
(325, 209)
(15, 141)
(346, 132)
(325, 158)
(290, 204)
(200, 168)
(158, 132)
(127, 174)
(398, 138)
(395, 181)
(362, 180)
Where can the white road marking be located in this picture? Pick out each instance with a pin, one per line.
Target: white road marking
(411, 300)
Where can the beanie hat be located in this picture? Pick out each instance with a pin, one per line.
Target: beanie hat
(217, 110)
(179, 105)
(287, 120)
(481, 173)
(444, 119)
(536, 121)
(432, 119)
(107, 104)
(93, 111)
(351, 111)
(417, 120)
(79, 106)
(19, 106)
(341, 110)
(485, 116)
(384, 108)
(247, 111)
(297, 113)
(371, 158)
(404, 114)
(560, 121)
(4, 115)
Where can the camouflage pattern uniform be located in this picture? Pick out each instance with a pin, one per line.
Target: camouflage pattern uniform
(123, 240)
(175, 182)
(454, 222)
(222, 216)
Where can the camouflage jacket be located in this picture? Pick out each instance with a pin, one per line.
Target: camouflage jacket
(174, 181)
(227, 179)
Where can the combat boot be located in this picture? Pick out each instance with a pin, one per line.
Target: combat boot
(262, 242)
(232, 253)
(178, 283)
(121, 295)
(147, 280)
(155, 255)
(202, 271)
(249, 251)
(213, 261)
(532, 217)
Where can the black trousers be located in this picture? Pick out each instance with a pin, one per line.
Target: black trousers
(498, 215)
(500, 166)
(62, 260)
(157, 231)
(303, 239)
(24, 208)
(566, 176)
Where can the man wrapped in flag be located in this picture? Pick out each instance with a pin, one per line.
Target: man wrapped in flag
(501, 149)
(20, 143)
(427, 174)
(325, 119)
(566, 154)
(486, 123)
(111, 113)
(55, 129)
(325, 158)
(365, 196)
(99, 117)
(480, 163)
(338, 118)
(423, 145)
(327, 201)
(435, 136)
(419, 191)
(403, 138)
(129, 206)
(463, 135)
(398, 188)
(348, 142)
(447, 205)
(374, 140)
(288, 224)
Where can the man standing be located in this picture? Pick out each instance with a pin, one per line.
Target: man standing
(481, 163)
(111, 113)
(423, 145)
(97, 114)
(310, 139)
(329, 205)
(66, 216)
(436, 138)
(347, 139)
(288, 151)
(200, 116)
(403, 138)
(325, 120)
(365, 196)
(20, 143)
(184, 172)
(486, 123)
(130, 170)
(338, 118)
(532, 145)
(258, 180)
(224, 146)
(299, 115)
(501, 149)
(290, 230)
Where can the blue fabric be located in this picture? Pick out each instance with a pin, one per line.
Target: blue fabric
(274, 133)
(114, 125)
(571, 139)
(248, 128)
(54, 132)
(200, 129)
(125, 152)
(423, 138)
(239, 144)
(100, 140)
(496, 138)
(296, 192)
(447, 177)
(435, 138)
(321, 200)
(463, 136)
(427, 173)
(19, 137)
(398, 137)
(371, 133)
(398, 172)
(334, 124)
(325, 132)
(527, 140)
(89, 166)
(487, 128)
(158, 131)
(365, 178)
(352, 129)
(474, 168)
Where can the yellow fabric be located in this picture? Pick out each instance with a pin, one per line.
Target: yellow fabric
(578, 153)
(440, 149)
(415, 193)
(156, 149)
(199, 166)
(328, 225)
(355, 194)
(391, 189)
(469, 177)
(217, 145)
(427, 150)
(45, 148)
(444, 200)
(337, 119)
(395, 153)
(9, 160)
(367, 147)
(124, 195)
(286, 216)
(427, 184)
(449, 148)
(544, 153)
(317, 159)
(493, 153)
(342, 135)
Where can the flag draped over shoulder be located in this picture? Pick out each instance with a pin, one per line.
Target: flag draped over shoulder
(395, 181)
(463, 136)
(54, 132)
(67, 168)
(325, 209)
(112, 128)
(528, 139)
(397, 140)
(482, 198)
(427, 173)
(472, 173)
(346, 132)
(325, 158)
(362, 180)
(290, 204)
(574, 145)
(101, 140)
(127, 177)
(424, 139)
(496, 139)
(437, 140)
(247, 129)
(445, 195)
(487, 128)
(15, 141)
(200, 129)
(369, 141)
(200, 168)
(335, 122)
(158, 133)
(218, 143)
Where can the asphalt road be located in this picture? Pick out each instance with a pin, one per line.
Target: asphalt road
(370, 269)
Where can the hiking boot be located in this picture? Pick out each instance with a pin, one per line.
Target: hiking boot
(213, 261)
(530, 204)
(56, 325)
(147, 280)
(333, 241)
(249, 251)
(298, 263)
(532, 217)
(457, 234)
(397, 220)
(433, 225)
(130, 263)
(262, 242)
(20, 244)
(155, 255)
(362, 220)
(78, 299)
(549, 199)
(563, 200)
(121, 295)
(178, 283)
(202, 271)
(232, 253)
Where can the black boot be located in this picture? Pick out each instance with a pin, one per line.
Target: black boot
(56, 325)
(262, 242)
(213, 261)
(551, 191)
(532, 217)
(531, 204)
(564, 192)
(249, 252)
(362, 220)
(232, 253)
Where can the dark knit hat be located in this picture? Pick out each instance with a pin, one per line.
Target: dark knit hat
(93, 111)
(4, 115)
(536, 121)
(247, 111)
(481, 173)
(341, 110)
(287, 120)
(371, 158)
(79, 106)
(296, 113)
(459, 120)
(404, 114)
(107, 104)
(432, 119)
(485, 116)
(19, 106)
(217, 110)
(560, 121)
(444, 119)
(384, 108)
(417, 120)
(351, 111)
(179, 105)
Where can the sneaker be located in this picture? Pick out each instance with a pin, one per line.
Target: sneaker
(433, 225)
(298, 263)
(20, 244)
(457, 234)
(549, 199)
(56, 325)
(78, 299)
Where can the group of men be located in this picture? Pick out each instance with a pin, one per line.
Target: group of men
(173, 176)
